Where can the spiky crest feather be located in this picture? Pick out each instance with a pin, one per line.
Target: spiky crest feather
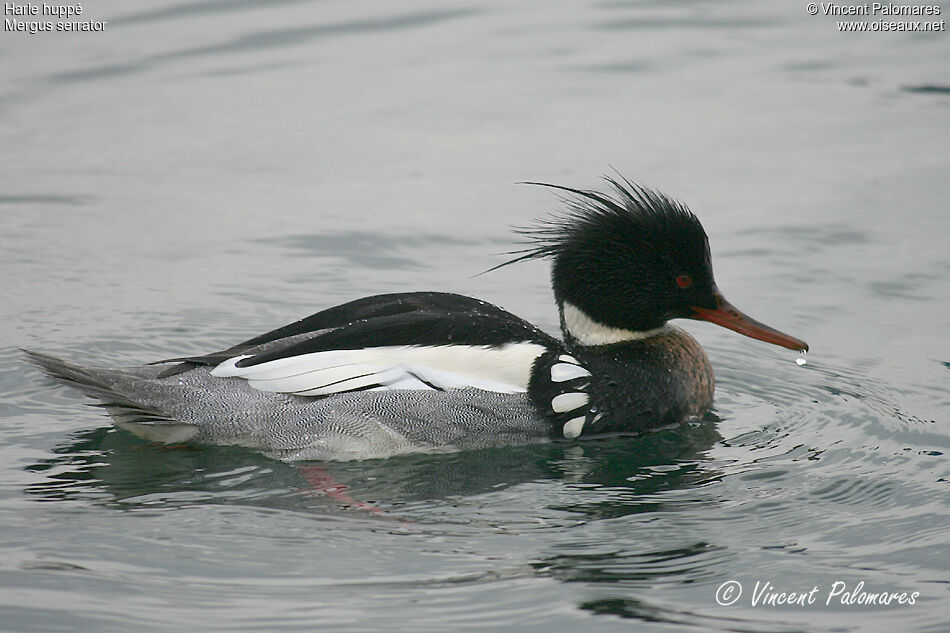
(633, 206)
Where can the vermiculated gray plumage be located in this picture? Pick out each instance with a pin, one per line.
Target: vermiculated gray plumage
(196, 407)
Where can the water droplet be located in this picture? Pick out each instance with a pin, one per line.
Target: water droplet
(801, 359)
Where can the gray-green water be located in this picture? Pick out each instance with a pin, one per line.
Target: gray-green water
(200, 172)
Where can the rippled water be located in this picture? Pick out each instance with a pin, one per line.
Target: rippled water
(204, 171)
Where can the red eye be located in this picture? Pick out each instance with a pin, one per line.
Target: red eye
(684, 281)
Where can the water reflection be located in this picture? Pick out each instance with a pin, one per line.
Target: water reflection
(43, 199)
(268, 39)
(604, 478)
(367, 249)
(190, 10)
(928, 89)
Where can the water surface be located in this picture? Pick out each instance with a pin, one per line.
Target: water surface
(200, 172)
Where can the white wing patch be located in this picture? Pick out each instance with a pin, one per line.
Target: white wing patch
(569, 401)
(505, 369)
(562, 372)
(573, 427)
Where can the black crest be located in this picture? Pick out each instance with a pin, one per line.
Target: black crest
(633, 210)
(617, 254)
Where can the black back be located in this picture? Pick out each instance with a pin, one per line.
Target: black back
(411, 318)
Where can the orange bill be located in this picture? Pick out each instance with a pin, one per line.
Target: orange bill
(728, 316)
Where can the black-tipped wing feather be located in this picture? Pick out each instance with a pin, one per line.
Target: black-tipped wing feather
(411, 318)
(402, 341)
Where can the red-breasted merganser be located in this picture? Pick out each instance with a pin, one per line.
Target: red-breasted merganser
(432, 371)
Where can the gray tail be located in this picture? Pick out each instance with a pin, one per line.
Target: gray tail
(95, 383)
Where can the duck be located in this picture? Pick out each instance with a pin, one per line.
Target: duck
(433, 371)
